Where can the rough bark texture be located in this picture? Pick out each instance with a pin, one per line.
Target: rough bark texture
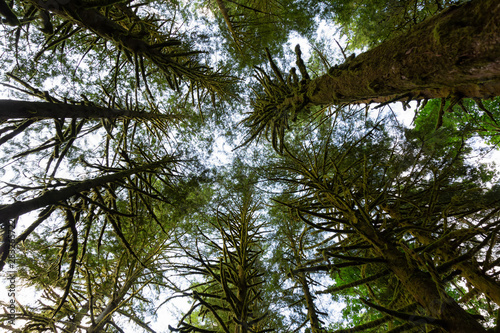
(470, 271)
(454, 53)
(11, 109)
(420, 284)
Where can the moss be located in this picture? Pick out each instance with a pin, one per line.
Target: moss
(436, 35)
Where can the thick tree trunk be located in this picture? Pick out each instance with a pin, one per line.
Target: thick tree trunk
(11, 109)
(454, 53)
(452, 317)
(471, 272)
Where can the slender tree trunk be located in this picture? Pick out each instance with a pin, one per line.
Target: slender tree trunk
(114, 303)
(227, 19)
(53, 197)
(312, 314)
(242, 294)
(175, 64)
(456, 52)
(479, 280)
(11, 109)
(73, 324)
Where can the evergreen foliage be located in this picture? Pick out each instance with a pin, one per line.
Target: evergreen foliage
(143, 164)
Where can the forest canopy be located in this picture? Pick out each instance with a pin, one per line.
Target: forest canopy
(242, 166)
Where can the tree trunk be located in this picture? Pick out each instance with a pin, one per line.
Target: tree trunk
(301, 277)
(73, 324)
(227, 19)
(452, 317)
(311, 307)
(489, 287)
(11, 109)
(114, 303)
(53, 197)
(168, 55)
(470, 271)
(454, 53)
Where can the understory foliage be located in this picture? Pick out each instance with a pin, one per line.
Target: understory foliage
(161, 153)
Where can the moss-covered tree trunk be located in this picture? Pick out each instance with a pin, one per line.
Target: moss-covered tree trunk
(72, 325)
(231, 296)
(56, 196)
(227, 18)
(301, 278)
(116, 301)
(12, 109)
(139, 39)
(424, 288)
(454, 53)
(470, 270)
(312, 314)
(53, 197)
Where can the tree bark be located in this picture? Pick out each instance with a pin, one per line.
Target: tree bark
(53, 197)
(12, 109)
(227, 19)
(114, 303)
(312, 314)
(454, 53)
(301, 278)
(470, 271)
(168, 56)
(73, 324)
(452, 317)
(9, 17)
